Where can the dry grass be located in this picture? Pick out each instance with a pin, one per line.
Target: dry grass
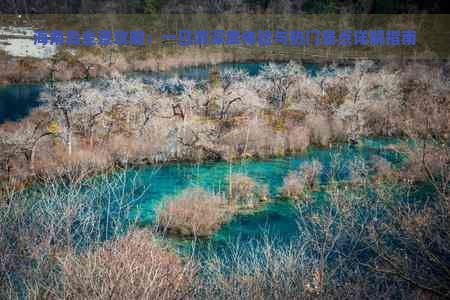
(193, 213)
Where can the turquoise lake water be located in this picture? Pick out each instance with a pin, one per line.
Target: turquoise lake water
(276, 219)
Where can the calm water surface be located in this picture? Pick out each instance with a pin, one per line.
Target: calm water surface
(277, 218)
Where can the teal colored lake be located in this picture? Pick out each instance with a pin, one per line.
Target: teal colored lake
(277, 218)
(16, 101)
(148, 186)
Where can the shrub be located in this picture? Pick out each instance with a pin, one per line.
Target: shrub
(255, 139)
(132, 267)
(82, 164)
(358, 171)
(37, 225)
(259, 271)
(294, 185)
(298, 138)
(381, 119)
(321, 132)
(268, 136)
(193, 213)
(425, 162)
(298, 183)
(382, 167)
(338, 129)
(311, 171)
(241, 187)
(245, 191)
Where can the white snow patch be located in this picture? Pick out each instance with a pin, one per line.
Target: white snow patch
(19, 42)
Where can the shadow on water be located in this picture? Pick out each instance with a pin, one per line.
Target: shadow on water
(201, 72)
(16, 101)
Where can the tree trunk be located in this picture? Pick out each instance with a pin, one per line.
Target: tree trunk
(91, 139)
(32, 158)
(69, 142)
(33, 151)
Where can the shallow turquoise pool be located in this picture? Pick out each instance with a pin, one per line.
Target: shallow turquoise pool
(277, 218)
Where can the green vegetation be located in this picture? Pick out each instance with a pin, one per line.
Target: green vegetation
(152, 7)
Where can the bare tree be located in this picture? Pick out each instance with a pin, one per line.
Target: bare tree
(66, 99)
(276, 80)
(233, 81)
(23, 138)
(95, 104)
(359, 84)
